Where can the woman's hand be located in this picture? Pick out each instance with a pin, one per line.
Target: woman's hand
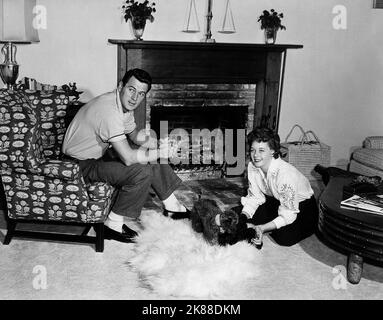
(258, 238)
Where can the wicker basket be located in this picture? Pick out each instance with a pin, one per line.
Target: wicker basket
(305, 154)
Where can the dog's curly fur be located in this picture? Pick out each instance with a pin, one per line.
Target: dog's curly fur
(233, 224)
(203, 219)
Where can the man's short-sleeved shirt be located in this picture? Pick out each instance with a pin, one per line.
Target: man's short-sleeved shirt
(97, 124)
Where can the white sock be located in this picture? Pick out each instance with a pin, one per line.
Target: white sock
(132, 223)
(171, 203)
(114, 221)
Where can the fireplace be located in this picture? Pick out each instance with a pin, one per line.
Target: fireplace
(206, 107)
(201, 132)
(214, 67)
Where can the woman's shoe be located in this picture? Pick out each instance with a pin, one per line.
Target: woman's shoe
(177, 215)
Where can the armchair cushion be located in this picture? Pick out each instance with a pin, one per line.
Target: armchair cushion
(99, 191)
(65, 170)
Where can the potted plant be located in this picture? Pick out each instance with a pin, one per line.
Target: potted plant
(271, 22)
(138, 13)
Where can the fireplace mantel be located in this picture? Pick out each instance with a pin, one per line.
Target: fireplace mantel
(171, 62)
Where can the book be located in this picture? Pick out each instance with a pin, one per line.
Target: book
(376, 199)
(371, 203)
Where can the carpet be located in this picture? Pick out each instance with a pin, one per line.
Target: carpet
(304, 271)
(308, 270)
(173, 260)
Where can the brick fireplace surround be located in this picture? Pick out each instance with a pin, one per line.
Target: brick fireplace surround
(202, 95)
(200, 74)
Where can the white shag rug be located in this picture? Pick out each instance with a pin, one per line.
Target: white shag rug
(176, 261)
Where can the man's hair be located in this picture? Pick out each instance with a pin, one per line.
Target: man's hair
(262, 134)
(140, 75)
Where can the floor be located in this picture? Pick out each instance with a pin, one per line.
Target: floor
(55, 270)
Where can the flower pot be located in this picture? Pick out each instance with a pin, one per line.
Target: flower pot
(270, 35)
(138, 26)
(354, 268)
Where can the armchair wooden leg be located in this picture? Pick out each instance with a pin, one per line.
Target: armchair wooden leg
(86, 230)
(99, 228)
(11, 226)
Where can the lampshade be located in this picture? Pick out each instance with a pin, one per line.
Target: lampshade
(16, 21)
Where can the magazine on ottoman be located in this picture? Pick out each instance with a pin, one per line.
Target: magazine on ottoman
(369, 203)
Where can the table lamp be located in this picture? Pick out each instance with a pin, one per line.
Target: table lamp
(16, 27)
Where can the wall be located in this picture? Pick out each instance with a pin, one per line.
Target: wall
(331, 85)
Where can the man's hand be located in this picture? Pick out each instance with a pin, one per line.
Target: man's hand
(143, 138)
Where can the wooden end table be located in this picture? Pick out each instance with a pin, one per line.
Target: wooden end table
(360, 234)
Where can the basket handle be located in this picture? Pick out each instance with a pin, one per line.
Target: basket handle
(313, 134)
(315, 137)
(291, 131)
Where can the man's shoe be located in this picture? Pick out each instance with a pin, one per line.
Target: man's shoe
(129, 232)
(177, 215)
(110, 234)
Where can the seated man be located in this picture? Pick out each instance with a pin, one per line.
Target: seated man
(105, 122)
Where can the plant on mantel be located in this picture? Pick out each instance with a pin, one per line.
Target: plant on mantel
(271, 19)
(134, 9)
(138, 13)
(271, 22)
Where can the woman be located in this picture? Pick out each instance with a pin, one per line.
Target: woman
(280, 199)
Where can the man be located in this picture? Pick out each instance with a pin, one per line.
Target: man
(105, 122)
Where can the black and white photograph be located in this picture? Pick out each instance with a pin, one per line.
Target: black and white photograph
(194, 152)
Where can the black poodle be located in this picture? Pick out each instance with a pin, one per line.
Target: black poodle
(220, 227)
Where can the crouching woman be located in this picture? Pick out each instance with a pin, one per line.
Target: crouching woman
(280, 198)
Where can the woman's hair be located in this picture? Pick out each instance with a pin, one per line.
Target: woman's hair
(262, 134)
(140, 75)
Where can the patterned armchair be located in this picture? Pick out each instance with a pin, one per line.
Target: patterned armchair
(39, 187)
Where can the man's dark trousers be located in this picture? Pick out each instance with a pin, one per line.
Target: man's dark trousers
(132, 182)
